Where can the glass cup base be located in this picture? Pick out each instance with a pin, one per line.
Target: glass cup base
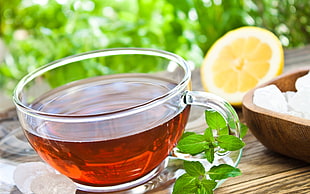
(133, 185)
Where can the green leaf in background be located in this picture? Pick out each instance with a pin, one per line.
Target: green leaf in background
(38, 32)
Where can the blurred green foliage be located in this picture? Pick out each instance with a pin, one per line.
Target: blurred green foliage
(36, 32)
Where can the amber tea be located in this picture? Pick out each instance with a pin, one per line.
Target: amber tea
(117, 150)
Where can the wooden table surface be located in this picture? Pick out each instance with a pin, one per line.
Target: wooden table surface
(263, 171)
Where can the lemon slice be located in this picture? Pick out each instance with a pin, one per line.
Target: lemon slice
(240, 60)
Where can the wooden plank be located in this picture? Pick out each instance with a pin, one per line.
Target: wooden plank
(292, 181)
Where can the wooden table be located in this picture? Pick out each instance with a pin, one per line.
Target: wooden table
(263, 171)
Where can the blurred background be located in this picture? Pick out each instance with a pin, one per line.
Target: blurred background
(36, 32)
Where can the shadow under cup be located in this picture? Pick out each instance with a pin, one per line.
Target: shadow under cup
(108, 119)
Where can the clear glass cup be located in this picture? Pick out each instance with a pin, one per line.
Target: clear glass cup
(110, 119)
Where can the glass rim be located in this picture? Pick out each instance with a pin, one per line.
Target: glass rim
(94, 54)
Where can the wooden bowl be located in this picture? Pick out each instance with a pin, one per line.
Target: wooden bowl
(282, 133)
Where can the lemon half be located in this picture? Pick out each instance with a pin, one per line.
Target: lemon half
(239, 61)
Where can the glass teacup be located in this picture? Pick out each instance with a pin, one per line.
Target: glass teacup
(108, 119)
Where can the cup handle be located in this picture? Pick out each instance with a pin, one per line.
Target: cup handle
(211, 101)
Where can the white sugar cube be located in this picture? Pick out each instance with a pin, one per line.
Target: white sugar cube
(26, 172)
(288, 95)
(300, 102)
(293, 103)
(270, 97)
(52, 183)
(306, 116)
(303, 82)
(294, 113)
(39, 178)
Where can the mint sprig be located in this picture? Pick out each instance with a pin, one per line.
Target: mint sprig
(215, 139)
(196, 180)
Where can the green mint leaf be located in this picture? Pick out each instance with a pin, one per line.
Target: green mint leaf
(185, 184)
(194, 168)
(214, 119)
(203, 190)
(195, 181)
(192, 144)
(185, 134)
(230, 142)
(209, 154)
(223, 171)
(207, 186)
(208, 134)
(224, 131)
(243, 130)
